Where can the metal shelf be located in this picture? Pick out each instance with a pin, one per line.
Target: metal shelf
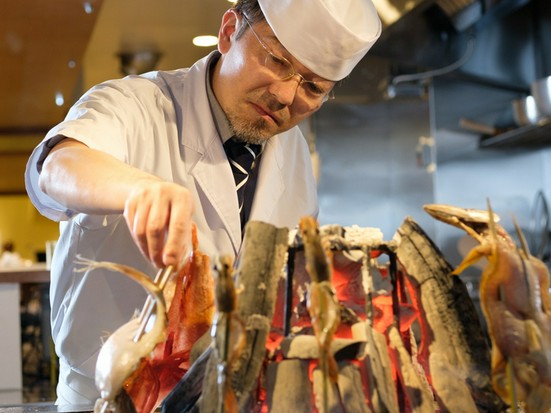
(527, 137)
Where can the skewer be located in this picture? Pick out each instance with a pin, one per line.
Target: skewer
(149, 301)
(160, 279)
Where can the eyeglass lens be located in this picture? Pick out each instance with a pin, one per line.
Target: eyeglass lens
(284, 69)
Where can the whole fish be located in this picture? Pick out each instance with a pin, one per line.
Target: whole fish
(190, 293)
(516, 301)
(121, 355)
(228, 335)
(323, 306)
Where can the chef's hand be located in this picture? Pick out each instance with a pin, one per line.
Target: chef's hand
(159, 215)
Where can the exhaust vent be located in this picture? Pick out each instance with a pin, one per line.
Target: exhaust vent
(451, 7)
(462, 13)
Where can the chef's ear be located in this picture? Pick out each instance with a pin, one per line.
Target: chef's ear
(228, 27)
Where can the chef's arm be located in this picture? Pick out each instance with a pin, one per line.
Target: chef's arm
(158, 212)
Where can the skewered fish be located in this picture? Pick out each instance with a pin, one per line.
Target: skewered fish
(515, 298)
(121, 354)
(189, 295)
(228, 334)
(323, 306)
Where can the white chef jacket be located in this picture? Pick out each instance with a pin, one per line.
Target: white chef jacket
(161, 123)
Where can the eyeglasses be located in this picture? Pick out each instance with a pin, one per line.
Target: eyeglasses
(285, 70)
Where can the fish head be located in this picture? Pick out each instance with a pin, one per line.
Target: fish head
(475, 222)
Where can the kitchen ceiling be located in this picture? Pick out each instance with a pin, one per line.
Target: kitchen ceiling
(57, 49)
(41, 49)
(63, 47)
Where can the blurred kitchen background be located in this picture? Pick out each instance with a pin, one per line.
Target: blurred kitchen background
(427, 117)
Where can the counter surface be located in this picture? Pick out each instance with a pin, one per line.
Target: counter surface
(35, 273)
(48, 407)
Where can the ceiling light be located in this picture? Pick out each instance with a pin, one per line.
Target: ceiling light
(388, 12)
(59, 100)
(141, 61)
(205, 41)
(88, 8)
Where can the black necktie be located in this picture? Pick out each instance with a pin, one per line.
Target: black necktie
(242, 158)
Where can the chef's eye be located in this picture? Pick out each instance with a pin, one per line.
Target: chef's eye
(313, 88)
(279, 65)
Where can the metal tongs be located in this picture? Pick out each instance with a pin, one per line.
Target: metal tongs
(160, 280)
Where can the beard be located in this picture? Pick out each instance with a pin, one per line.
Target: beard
(256, 131)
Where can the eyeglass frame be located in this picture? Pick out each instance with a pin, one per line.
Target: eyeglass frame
(293, 72)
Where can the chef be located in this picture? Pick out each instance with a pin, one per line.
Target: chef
(138, 160)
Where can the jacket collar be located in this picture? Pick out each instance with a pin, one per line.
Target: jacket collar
(206, 161)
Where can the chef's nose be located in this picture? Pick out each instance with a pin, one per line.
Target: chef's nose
(286, 91)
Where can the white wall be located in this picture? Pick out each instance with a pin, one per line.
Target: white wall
(369, 173)
(509, 179)
(369, 176)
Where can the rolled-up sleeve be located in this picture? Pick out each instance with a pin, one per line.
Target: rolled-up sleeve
(106, 118)
(45, 204)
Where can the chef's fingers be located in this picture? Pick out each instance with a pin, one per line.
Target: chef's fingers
(156, 229)
(178, 239)
(159, 217)
(136, 214)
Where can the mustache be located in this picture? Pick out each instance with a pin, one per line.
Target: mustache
(270, 102)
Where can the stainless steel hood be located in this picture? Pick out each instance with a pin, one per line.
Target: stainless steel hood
(474, 56)
(461, 13)
(417, 35)
(432, 33)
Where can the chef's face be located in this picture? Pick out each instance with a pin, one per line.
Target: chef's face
(257, 101)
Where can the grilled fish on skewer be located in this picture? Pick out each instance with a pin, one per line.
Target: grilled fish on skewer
(323, 306)
(514, 293)
(228, 333)
(189, 295)
(120, 355)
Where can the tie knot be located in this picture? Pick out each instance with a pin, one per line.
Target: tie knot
(241, 157)
(241, 153)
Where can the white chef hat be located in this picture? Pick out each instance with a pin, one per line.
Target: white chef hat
(329, 37)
